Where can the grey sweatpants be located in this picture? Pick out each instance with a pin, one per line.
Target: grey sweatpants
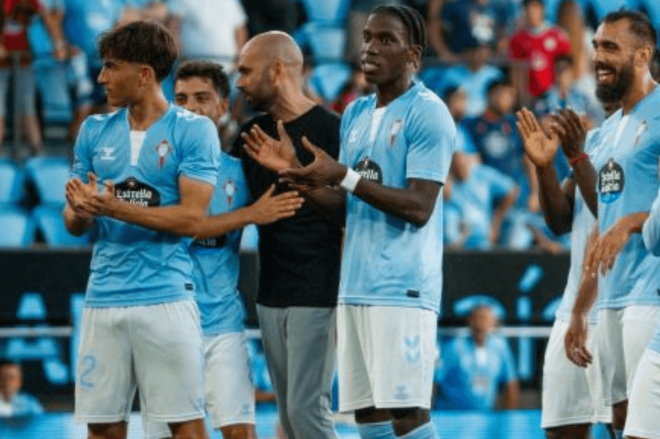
(300, 347)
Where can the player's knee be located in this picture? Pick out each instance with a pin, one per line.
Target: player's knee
(581, 431)
(189, 430)
(405, 413)
(371, 414)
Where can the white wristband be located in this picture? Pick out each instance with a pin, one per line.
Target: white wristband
(350, 181)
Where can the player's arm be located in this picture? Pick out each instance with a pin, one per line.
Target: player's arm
(510, 396)
(651, 228)
(575, 340)
(556, 200)
(181, 219)
(572, 134)
(265, 210)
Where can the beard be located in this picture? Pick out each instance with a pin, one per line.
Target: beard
(612, 93)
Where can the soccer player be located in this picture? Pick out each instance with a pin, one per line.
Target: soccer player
(299, 256)
(629, 307)
(157, 165)
(571, 395)
(396, 148)
(203, 88)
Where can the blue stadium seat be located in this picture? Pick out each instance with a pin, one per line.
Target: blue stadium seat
(328, 79)
(49, 175)
(334, 11)
(11, 182)
(464, 306)
(50, 222)
(17, 227)
(326, 43)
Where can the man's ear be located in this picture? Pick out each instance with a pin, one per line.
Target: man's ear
(414, 55)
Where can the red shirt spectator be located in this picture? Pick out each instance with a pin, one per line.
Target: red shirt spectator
(16, 16)
(539, 49)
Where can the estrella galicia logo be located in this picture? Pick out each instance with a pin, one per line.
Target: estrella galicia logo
(217, 242)
(610, 182)
(369, 170)
(135, 192)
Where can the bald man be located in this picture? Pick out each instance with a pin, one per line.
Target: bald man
(299, 256)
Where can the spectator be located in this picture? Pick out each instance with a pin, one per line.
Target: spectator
(473, 369)
(473, 76)
(83, 23)
(267, 15)
(495, 137)
(13, 402)
(15, 56)
(61, 70)
(355, 87)
(533, 50)
(456, 99)
(454, 23)
(210, 29)
(143, 10)
(482, 195)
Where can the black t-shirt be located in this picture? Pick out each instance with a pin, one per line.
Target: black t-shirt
(299, 256)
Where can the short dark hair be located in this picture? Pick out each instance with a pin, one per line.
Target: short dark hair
(205, 69)
(411, 19)
(496, 83)
(8, 362)
(640, 25)
(146, 42)
(525, 3)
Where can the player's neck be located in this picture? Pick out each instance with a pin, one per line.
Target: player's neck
(142, 114)
(386, 93)
(290, 106)
(638, 91)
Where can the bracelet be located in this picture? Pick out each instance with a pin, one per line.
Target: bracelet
(350, 181)
(578, 159)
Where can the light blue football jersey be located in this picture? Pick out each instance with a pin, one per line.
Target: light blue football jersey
(388, 261)
(628, 183)
(133, 265)
(217, 260)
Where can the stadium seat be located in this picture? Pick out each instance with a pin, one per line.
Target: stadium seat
(49, 221)
(326, 43)
(329, 79)
(11, 182)
(17, 227)
(49, 175)
(464, 306)
(327, 11)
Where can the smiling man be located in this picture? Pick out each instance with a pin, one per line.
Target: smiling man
(626, 183)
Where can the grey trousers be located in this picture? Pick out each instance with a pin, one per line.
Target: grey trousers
(300, 347)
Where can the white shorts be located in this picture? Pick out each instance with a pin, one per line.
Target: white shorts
(644, 406)
(229, 388)
(622, 337)
(571, 395)
(386, 356)
(155, 347)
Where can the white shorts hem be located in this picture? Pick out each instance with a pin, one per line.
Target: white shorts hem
(236, 421)
(554, 423)
(177, 418)
(99, 419)
(355, 405)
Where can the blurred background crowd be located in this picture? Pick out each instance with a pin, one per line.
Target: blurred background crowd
(486, 59)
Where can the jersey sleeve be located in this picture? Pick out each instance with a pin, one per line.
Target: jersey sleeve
(516, 48)
(431, 138)
(201, 151)
(343, 132)
(651, 228)
(82, 156)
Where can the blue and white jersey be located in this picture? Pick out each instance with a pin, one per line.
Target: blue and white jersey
(133, 265)
(583, 225)
(468, 377)
(628, 183)
(388, 261)
(217, 260)
(475, 84)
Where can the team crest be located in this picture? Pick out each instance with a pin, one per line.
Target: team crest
(163, 149)
(550, 44)
(641, 129)
(230, 190)
(394, 130)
